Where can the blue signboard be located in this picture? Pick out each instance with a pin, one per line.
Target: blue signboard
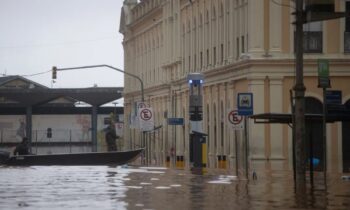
(245, 104)
(175, 121)
(333, 97)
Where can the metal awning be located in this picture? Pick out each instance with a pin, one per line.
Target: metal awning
(287, 118)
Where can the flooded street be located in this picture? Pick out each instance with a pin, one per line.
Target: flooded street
(103, 187)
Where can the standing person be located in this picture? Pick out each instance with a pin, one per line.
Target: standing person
(22, 148)
(111, 137)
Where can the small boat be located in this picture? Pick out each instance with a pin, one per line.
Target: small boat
(91, 158)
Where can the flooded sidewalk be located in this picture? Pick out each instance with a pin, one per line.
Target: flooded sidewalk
(132, 187)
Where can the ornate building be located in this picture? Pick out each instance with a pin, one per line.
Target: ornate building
(239, 46)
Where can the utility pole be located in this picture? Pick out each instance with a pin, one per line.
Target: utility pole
(299, 90)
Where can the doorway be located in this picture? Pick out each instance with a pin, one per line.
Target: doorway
(313, 134)
(346, 142)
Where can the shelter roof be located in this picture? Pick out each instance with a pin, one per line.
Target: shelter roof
(8, 79)
(35, 97)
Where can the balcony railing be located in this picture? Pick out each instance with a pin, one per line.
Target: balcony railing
(313, 42)
(61, 141)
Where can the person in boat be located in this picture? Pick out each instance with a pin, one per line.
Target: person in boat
(22, 148)
(111, 138)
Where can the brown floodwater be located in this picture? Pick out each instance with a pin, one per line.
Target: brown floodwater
(103, 187)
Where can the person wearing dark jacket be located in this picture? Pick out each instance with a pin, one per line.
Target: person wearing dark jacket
(111, 137)
(22, 148)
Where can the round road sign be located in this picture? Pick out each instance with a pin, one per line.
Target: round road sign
(234, 118)
(146, 114)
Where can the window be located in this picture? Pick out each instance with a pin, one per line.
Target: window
(207, 57)
(242, 39)
(195, 62)
(201, 60)
(214, 55)
(237, 48)
(312, 42)
(222, 53)
(347, 29)
(312, 37)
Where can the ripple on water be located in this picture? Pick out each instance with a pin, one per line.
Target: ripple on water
(102, 187)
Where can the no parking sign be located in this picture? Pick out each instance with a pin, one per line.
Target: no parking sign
(235, 120)
(146, 119)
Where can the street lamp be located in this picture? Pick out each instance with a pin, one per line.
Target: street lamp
(55, 69)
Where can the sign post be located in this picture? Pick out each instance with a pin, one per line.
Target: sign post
(245, 108)
(324, 83)
(235, 120)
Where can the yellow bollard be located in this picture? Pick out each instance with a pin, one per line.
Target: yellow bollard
(224, 163)
(204, 155)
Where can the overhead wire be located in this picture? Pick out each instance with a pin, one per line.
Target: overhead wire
(35, 74)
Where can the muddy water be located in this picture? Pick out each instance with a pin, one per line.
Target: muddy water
(102, 187)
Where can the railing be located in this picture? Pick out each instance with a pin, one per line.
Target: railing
(61, 141)
(313, 42)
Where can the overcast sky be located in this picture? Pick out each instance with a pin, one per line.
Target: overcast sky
(38, 34)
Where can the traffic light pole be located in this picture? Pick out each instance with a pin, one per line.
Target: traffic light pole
(103, 65)
(55, 69)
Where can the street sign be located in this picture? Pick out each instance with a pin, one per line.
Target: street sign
(175, 121)
(323, 73)
(146, 119)
(119, 129)
(333, 97)
(141, 105)
(245, 104)
(235, 120)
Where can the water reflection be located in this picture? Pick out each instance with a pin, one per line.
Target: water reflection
(102, 187)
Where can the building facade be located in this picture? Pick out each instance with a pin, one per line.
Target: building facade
(239, 46)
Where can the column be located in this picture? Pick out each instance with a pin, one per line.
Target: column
(94, 128)
(256, 132)
(29, 125)
(276, 130)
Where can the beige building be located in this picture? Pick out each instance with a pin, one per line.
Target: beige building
(239, 46)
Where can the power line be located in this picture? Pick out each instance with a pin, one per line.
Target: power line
(31, 75)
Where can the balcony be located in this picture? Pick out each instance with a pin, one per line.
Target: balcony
(312, 41)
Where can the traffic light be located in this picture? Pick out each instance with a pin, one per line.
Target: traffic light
(54, 72)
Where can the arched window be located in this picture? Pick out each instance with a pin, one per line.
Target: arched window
(222, 123)
(313, 132)
(214, 124)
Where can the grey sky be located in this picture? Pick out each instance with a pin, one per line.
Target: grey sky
(38, 34)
